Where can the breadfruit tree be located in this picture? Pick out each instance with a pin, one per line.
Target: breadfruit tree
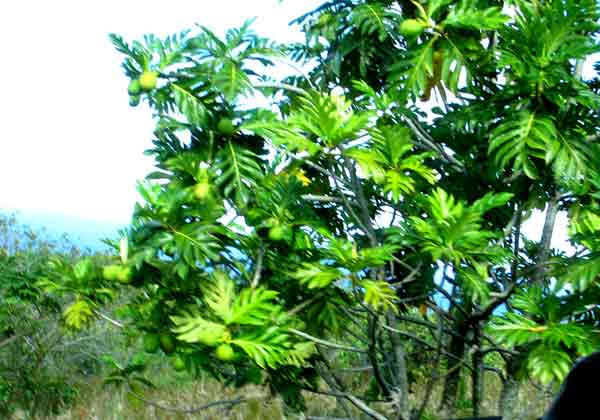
(368, 205)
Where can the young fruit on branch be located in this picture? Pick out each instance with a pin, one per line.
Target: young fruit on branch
(134, 88)
(125, 275)
(134, 100)
(202, 190)
(118, 273)
(151, 343)
(226, 127)
(225, 353)
(110, 272)
(412, 27)
(280, 232)
(148, 80)
(178, 364)
(167, 343)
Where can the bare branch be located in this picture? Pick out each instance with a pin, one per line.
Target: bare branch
(304, 304)
(259, 264)
(362, 201)
(364, 407)
(321, 198)
(548, 230)
(499, 300)
(282, 86)
(325, 342)
(383, 384)
(430, 143)
(109, 319)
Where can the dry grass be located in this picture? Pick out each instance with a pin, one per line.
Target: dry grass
(104, 403)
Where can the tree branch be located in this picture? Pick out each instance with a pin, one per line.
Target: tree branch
(109, 319)
(259, 264)
(325, 342)
(321, 198)
(426, 140)
(385, 387)
(281, 86)
(547, 231)
(499, 300)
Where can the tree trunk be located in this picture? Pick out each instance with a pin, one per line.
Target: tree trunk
(545, 241)
(457, 350)
(400, 373)
(477, 379)
(509, 397)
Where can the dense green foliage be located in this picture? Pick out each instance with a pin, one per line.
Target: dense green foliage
(39, 364)
(334, 219)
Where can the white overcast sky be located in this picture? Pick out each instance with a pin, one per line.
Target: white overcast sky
(70, 145)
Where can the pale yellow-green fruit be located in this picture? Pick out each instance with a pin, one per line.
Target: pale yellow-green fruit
(276, 233)
(111, 272)
(280, 232)
(412, 27)
(178, 364)
(148, 80)
(201, 190)
(125, 275)
(225, 353)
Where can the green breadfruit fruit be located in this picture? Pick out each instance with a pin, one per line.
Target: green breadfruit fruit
(151, 343)
(148, 80)
(111, 272)
(167, 343)
(134, 88)
(225, 353)
(226, 127)
(178, 364)
(412, 27)
(134, 100)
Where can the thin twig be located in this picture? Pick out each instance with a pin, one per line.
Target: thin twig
(325, 342)
(365, 408)
(259, 264)
(426, 139)
(348, 207)
(109, 319)
(321, 198)
(283, 86)
(324, 370)
(426, 344)
(362, 201)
